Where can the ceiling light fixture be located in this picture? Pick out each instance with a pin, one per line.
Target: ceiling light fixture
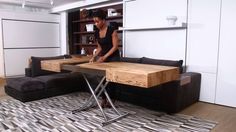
(51, 2)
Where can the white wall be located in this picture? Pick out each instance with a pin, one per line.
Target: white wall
(22, 18)
(151, 35)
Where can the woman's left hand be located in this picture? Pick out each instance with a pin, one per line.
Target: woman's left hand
(101, 59)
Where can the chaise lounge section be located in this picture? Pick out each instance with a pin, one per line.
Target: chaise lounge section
(39, 84)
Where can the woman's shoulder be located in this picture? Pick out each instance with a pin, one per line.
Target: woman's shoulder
(111, 29)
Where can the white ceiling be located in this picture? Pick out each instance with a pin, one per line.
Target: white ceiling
(39, 3)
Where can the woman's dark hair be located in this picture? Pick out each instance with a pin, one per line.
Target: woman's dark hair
(100, 14)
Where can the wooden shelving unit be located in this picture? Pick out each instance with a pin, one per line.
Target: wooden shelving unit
(91, 20)
(80, 38)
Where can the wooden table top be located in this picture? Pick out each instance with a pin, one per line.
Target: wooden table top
(55, 65)
(142, 75)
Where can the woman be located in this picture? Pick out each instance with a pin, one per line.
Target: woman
(106, 38)
(107, 47)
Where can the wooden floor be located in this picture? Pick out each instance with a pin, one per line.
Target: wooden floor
(2, 82)
(225, 116)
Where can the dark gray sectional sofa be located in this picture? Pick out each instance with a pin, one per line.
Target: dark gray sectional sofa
(170, 97)
(39, 84)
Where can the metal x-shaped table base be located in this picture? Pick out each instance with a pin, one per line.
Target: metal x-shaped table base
(101, 88)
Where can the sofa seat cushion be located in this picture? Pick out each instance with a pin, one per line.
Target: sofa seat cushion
(25, 84)
(62, 80)
(178, 63)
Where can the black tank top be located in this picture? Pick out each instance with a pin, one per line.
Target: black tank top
(106, 44)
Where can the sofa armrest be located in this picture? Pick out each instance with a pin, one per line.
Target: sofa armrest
(191, 90)
(194, 77)
(184, 79)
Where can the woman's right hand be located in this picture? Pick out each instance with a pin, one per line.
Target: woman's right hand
(91, 60)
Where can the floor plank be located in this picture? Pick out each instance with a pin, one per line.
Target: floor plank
(2, 83)
(225, 116)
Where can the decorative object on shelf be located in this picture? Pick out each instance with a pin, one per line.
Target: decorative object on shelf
(23, 4)
(84, 14)
(171, 20)
(84, 39)
(89, 27)
(110, 11)
(90, 39)
(82, 52)
(51, 2)
(116, 14)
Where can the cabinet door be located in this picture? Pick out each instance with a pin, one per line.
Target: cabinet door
(203, 39)
(154, 13)
(153, 42)
(13, 67)
(226, 82)
(30, 34)
(166, 44)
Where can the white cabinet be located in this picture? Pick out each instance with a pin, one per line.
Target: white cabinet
(33, 34)
(153, 13)
(164, 44)
(16, 60)
(146, 29)
(203, 40)
(226, 80)
(26, 34)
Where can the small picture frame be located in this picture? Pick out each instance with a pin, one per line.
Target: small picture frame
(90, 39)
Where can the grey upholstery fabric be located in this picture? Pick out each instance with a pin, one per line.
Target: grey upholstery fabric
(32, 88)
(25, 84)
(36, 64)
(131, 60)
(178, 63)
(169, 97)
(61, 80)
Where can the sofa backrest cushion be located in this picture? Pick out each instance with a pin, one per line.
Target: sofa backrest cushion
(178, 63)
(36, 64)
(131, 60)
